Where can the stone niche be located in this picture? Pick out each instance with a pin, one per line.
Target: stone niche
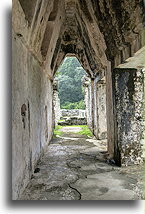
(128, 111)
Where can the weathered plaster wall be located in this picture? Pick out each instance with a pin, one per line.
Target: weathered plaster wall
(31, 114)
(128, 108)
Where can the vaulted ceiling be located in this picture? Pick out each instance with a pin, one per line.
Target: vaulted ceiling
(93, 30)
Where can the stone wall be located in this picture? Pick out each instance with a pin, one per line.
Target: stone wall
(34, 37)
(73, 117)
(128, 108)
(73, 113)
(31, 114)
(73, 121)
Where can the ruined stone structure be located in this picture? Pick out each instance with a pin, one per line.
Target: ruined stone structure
(73, 113)
(72, 117)
(73, 121)
(102, 35)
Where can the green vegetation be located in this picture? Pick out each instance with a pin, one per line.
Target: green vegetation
(76, 105)
(61, 120)
(85, 130)
(57, 131)
(69, 78)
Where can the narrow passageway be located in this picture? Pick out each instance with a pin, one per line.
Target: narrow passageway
(74, 167)
(108, 70)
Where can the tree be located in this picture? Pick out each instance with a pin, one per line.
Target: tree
(69, 77)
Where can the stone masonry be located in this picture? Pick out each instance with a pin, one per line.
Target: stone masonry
(73, 117)
(73, 113)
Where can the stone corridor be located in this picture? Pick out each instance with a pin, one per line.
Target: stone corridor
(107, 39)
(74, 167)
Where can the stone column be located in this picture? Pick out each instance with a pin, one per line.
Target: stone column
(56, 104)
(101, 109)
(95, 99)
(109, 112)
(128, 115)
(88, 100)
(93, 107)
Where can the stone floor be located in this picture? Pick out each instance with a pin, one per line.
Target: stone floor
(74, 167)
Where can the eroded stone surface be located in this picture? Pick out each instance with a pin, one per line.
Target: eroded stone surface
(77, 170)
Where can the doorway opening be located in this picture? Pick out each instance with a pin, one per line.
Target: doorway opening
(79, 103)
(71, 95)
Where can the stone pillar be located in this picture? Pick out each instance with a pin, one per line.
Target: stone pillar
(56, 104)
(95, 99)
(101, 109)
(93, 106)
(88, 100)
(128, 115)
(109, 112)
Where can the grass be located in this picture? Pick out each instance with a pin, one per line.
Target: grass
(85, 130)
(61, 120)
(57, 131)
